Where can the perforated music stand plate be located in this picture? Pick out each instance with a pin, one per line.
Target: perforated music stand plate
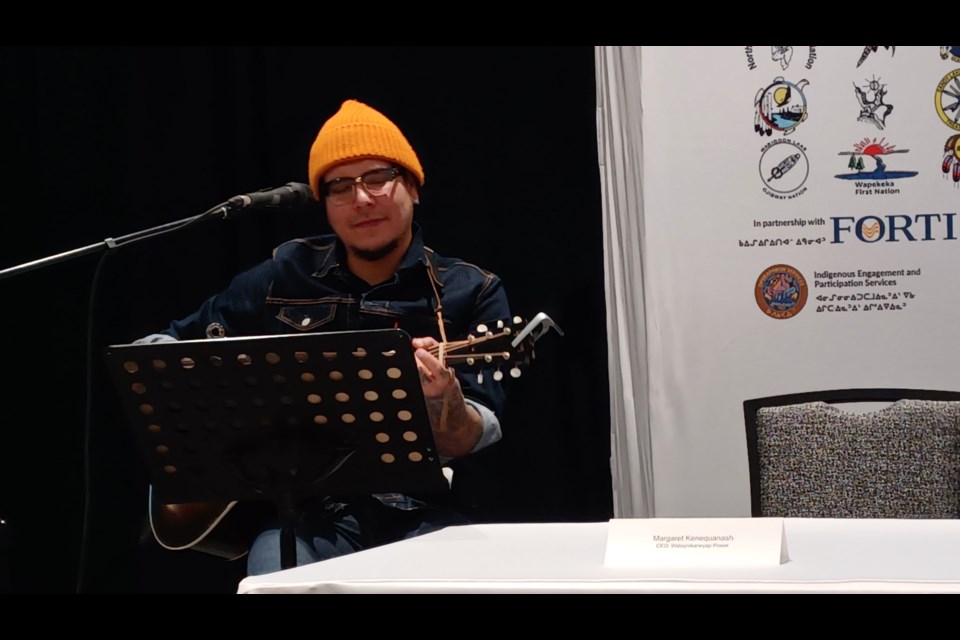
(339, 413)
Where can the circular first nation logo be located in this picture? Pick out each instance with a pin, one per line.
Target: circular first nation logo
(947, 99)
(784, 166)
(780, 106)
(781, 291)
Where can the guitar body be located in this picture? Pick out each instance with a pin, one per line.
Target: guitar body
(222, 529)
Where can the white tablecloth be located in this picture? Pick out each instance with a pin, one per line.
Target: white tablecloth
(826, 555)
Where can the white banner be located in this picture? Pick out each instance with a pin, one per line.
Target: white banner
(801, 232)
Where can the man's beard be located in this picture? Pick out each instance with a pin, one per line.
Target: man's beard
(372, 255)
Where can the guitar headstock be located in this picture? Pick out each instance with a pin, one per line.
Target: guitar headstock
(501, 344)
(490, 346)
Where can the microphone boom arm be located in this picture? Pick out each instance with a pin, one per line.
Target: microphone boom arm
(292, 193)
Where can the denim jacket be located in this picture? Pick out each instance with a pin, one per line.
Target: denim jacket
(306, 287)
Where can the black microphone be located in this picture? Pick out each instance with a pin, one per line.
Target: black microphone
(292, 194)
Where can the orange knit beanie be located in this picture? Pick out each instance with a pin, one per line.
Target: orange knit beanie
(359, 131)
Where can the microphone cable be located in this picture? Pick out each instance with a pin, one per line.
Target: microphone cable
(87, 422)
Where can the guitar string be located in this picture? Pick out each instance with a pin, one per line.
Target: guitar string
(448, 347)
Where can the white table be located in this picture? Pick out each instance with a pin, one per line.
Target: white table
(826, 556)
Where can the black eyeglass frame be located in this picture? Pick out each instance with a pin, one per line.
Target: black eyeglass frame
(396, 172)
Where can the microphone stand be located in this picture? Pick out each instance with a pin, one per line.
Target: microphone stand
(223, 209)
(292, 192)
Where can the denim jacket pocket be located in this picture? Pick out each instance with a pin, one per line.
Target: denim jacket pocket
(307, 317)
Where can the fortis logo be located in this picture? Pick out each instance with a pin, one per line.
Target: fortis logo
(923, 227)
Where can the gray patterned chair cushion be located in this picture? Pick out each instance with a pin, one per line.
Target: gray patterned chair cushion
(818, 461)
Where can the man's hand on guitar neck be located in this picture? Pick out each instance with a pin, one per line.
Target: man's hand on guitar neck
(456, 426)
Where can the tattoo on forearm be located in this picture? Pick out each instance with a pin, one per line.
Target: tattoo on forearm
(449, 417)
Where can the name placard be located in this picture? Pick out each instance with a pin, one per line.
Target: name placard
(695, 542)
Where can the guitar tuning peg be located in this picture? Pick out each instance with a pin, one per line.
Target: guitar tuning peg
(481, 328)
(470, 361)
(471, 338)
(489, 334)
(480, 377)
(498, 375)
(488, 358)
(499, 324)
(515, 372)
(517, 320)
(506, 331)
(506, 355)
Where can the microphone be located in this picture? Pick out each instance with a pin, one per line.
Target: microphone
(292, 194)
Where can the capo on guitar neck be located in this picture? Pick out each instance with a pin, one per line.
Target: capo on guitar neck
(540, 325)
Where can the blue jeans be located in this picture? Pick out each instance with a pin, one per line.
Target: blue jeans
(333, 530)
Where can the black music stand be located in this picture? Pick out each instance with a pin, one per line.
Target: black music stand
(279, 418)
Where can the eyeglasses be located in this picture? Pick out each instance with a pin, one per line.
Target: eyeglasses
(376, 182)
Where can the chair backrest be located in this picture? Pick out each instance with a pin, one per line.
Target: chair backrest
(811, 459)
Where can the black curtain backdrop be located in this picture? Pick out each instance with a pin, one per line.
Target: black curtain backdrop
(100, 142)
